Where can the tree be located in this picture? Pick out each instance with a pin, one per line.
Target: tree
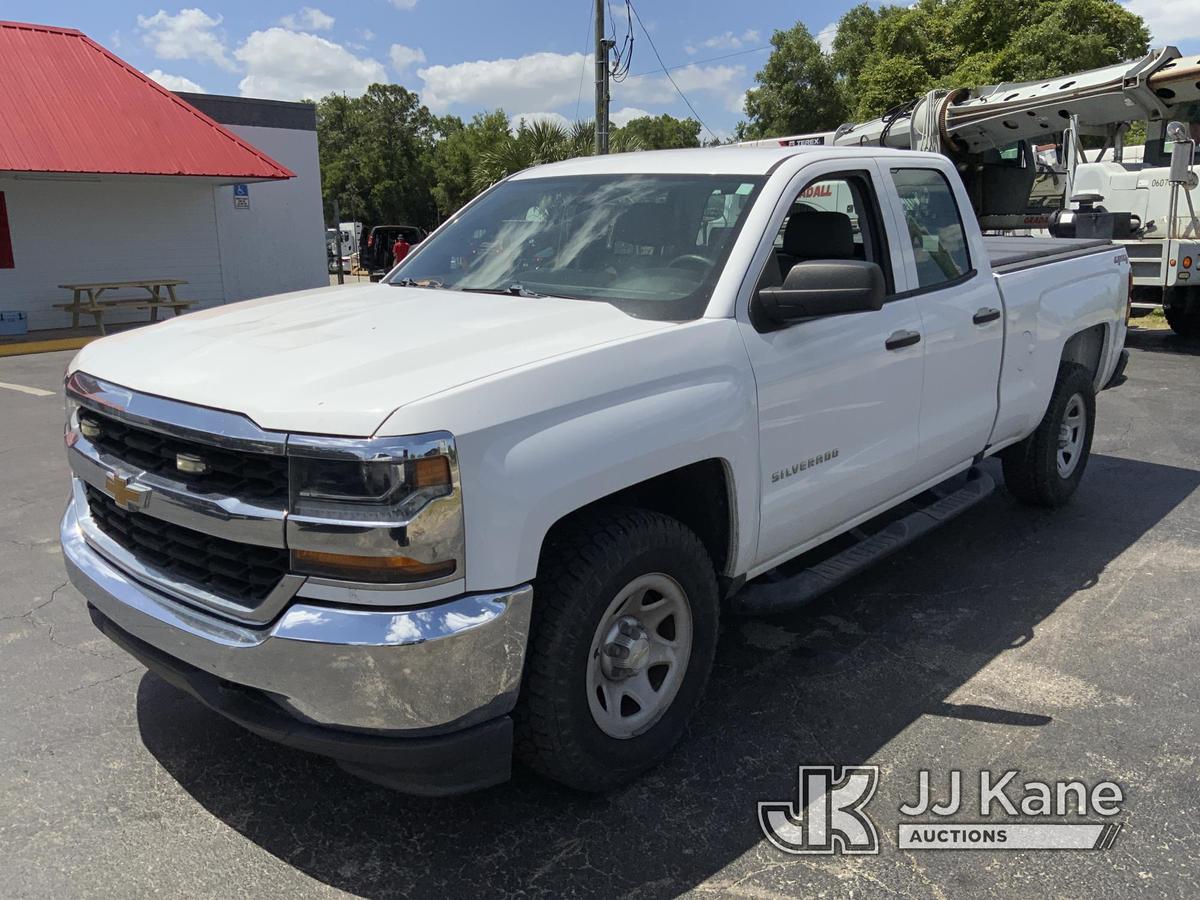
(663, 132)
(376, 155)
(457, 154)
(797, 91)
(539, 142)
(882, 57)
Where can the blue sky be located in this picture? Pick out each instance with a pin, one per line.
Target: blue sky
(463, 56)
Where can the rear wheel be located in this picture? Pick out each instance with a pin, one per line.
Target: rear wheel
(626, 611)
(1046, 467)
(1184, 324)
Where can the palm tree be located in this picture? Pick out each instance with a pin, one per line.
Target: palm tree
(539, 142)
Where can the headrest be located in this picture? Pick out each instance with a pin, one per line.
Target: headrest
(646, 225)
(819, 235)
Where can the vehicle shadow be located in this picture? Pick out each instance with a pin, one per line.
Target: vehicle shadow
(1161, 340)
(832, 683)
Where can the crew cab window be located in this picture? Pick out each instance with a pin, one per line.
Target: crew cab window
(938, 238)
(835, 217)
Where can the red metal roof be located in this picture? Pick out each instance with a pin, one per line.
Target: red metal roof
(68, 105)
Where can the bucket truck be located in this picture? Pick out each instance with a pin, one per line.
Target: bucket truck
(1147, 205)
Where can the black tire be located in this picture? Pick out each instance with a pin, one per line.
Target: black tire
(1184, 324)
(585, 565)
(1031, 468)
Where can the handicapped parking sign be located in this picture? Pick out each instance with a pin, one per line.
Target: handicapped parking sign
(241, 196)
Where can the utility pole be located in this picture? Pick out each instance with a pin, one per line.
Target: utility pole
(603, 45)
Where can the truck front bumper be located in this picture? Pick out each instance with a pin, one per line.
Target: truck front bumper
(413, 698)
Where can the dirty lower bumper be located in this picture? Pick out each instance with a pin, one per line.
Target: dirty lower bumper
(386, 689)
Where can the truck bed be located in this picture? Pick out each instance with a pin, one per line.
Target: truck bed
(1011, 254)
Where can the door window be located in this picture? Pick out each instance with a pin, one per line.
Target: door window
(934, 225)
(834, 217)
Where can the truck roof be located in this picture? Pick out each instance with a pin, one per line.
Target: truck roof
(725, 160)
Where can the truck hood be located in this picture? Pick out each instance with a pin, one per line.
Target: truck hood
(341, 360)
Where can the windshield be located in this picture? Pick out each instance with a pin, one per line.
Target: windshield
(652, 245)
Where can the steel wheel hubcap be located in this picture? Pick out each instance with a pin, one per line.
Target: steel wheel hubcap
(1070, 436)
(639, 655)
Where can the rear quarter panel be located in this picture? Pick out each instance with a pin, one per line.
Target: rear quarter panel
(1044, 306)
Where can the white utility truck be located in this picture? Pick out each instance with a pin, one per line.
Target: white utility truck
(497, 503)
(1142, 200)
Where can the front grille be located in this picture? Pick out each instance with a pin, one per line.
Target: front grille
(258, 477)
(244, 573)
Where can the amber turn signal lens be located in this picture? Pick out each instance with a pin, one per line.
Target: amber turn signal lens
(382, 569)
(1187, 262)
(432, 471)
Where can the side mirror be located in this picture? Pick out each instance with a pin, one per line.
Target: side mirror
(823, 287)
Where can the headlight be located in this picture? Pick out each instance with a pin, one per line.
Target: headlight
(386, 510)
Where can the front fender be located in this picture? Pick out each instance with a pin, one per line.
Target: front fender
(538, 443)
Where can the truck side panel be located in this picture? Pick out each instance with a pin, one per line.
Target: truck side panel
(1044, 306)
(588, 427)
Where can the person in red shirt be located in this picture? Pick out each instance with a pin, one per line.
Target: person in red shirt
(400, 249)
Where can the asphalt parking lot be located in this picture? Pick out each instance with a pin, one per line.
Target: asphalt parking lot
(1062, 644)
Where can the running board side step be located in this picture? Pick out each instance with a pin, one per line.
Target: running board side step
(765, 596)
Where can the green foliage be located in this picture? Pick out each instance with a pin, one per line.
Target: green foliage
(540, 142)
(661, 132)
(797, 91)
(388, 160)
(885, 56)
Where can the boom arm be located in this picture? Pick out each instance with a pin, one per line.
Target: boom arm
(962, 122)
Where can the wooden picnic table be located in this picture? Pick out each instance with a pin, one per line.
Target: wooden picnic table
(87, 297)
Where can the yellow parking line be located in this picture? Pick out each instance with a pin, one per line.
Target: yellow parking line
(20, 349)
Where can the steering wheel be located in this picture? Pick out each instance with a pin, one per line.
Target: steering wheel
(691, 259)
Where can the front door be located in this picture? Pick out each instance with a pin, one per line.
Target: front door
(839, 397)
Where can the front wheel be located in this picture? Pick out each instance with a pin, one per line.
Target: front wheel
(1046, 467)
(625, 629)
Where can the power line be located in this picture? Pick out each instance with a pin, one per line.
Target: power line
(667, 72)
(707, 59)
(587, 42)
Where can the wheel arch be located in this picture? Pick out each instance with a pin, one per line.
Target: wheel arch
(701, 495)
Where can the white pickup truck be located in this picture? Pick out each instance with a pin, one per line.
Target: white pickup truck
(496, 504)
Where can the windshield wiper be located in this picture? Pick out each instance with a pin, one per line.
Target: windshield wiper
(418, 283)
(514, 290)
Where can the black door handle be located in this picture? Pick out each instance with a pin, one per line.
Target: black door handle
(985, 315)
(902, 339)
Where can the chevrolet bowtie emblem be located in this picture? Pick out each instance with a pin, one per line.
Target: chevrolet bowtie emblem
(126, 495)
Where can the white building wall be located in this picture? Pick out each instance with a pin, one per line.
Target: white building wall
(117, 229)
(278, 244)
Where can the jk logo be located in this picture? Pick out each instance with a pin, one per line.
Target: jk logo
(827, 815)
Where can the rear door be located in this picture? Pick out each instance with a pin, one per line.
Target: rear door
(962, 314)
(839, 396)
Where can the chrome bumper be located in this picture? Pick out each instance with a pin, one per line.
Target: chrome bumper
(418, 671)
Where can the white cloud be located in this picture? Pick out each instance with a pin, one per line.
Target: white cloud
(1169, 21)
(175, 82)
(727, 41)
(308, 19)
(366, 34)
(531, 117)
(738, 104)
(189, 34)
(404, 4)
(627, 114)
(404, 57)
(723, 81)
(535, 81)
(270, 58)
(826, 35)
